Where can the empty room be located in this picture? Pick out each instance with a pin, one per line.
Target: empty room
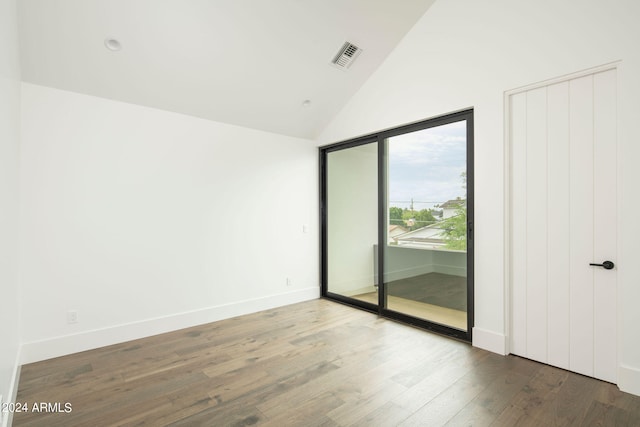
(331, 213)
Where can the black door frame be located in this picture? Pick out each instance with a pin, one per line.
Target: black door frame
(379, 138)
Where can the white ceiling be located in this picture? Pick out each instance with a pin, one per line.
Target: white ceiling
(245, 62)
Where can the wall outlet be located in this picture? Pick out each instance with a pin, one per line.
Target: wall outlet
(289, 281)
(72, 316)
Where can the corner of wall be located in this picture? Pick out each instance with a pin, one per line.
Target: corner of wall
(490, 341)
(6, 418)
(629, 380)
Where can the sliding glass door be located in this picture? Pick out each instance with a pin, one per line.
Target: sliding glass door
(398, 205)
(427, 226)
(351, 225)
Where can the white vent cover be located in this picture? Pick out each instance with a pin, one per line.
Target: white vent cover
(346, 55)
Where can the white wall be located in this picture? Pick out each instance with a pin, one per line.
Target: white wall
(9, 143)
(467, 53)
(404, 261)
(145, 221)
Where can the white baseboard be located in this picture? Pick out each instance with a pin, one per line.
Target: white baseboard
(390, 276)
(425, 269)
(489, 340)
(6, 418)
(68, 344)
(451, 270)
(629, 380)
(360, 291)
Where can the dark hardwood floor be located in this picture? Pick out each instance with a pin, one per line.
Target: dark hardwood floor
(316, 363)
(439, 289)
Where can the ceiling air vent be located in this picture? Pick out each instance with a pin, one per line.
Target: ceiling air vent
(346, 55)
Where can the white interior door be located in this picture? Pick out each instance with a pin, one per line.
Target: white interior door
(563, 218)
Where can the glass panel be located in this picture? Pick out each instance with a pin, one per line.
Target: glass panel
(352, 222)
(425, 255)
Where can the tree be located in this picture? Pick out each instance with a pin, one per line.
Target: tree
(395, 216)
(424, 217)
(455, 230)
(417, 219)
(455, 227)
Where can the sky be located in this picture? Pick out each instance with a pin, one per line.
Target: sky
(426, 165)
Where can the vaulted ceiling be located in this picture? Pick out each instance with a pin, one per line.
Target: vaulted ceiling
(246, 62)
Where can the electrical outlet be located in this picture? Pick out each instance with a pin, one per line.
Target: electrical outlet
(289, 282)
(72, 316)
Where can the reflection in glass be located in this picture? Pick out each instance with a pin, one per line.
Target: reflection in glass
(352, 222)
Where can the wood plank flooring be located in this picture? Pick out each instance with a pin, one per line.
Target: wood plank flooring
(316, 363)
(434, 313)
(443, 290)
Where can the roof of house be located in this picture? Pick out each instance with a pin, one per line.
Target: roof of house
(424, 232)
(453, 204)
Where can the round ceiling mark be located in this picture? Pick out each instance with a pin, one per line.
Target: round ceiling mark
(112, 44)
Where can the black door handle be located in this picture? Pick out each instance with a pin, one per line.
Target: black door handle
(607, 265)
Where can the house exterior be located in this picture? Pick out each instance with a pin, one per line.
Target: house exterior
(429, 237)
(395, 231)
(450, 207)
